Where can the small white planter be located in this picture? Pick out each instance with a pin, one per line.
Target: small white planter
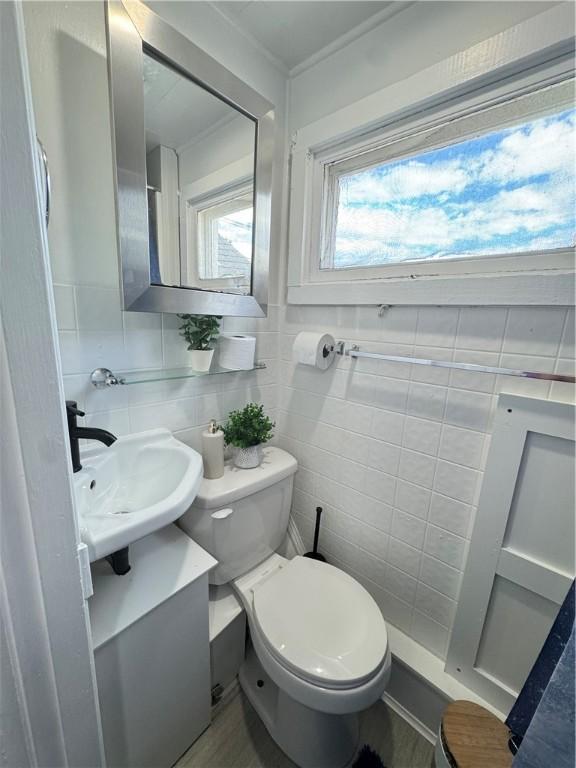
(201, 359)
(248, 458)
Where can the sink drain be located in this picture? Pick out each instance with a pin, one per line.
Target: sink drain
(122, 512)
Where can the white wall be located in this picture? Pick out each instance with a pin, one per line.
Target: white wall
(227, 144)
(12, 733)
(423, 34)
(67, 50)
(394, 453)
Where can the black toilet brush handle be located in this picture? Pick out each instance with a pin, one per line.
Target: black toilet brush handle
(317, 529)
(315, 555)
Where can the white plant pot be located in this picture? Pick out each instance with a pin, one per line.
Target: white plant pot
(201, 359)
(248, 458)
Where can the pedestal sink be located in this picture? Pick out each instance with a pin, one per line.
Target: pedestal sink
(139, 484)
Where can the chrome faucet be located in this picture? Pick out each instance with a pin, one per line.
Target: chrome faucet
(78, 433)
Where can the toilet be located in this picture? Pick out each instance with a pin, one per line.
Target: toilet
(318, 652)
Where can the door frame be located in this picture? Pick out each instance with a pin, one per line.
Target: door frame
(43, 611)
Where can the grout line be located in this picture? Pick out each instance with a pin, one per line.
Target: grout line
(397, 476)
(331, 507)
(394, 507)
(375, 407)
(442, 428)
(389, 378)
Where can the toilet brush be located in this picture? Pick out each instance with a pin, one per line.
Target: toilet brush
(315, 555)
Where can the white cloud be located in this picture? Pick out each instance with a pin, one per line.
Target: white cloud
(524, 212)
(489, 210)
(406, 180)
(546, 147)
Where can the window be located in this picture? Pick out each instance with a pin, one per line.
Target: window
(218, 237)
(507, 191)
(452, 186)
(496, 182)
(225, 240)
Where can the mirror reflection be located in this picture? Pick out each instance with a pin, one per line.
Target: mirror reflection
(200, 177)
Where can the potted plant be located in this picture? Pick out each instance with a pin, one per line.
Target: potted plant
(246, 430)
(200, 333)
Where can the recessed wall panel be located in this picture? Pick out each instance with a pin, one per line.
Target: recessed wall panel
(543, 503)
(516, 626)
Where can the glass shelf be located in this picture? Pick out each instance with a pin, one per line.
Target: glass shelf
(103, 377)
(166, 374)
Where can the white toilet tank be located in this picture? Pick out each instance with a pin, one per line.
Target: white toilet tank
(242, 517)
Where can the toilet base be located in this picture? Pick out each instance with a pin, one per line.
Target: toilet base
(310, 738)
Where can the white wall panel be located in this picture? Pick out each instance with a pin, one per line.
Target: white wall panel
(513, 609)
(544, 503)
(521, 562)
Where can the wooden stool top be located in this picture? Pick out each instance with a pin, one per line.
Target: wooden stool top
(474, 738)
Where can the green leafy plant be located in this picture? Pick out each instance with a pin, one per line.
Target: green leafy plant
(248, 427)
(200, 331)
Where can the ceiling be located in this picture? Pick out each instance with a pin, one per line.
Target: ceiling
(177, 111)
(291, 32)
(294, 31)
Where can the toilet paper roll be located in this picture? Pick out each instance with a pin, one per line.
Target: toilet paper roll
(315, 349)
(237, 352)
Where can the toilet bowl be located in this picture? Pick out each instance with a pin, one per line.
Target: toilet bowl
(319, 645)
(317, 632)
(318, 652)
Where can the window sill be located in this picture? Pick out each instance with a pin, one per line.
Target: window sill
(552, 288)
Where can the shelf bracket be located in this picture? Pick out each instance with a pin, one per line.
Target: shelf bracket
(103, 377)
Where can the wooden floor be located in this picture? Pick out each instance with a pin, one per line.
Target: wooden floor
(238, 739)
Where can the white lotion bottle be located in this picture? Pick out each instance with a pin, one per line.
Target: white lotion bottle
(213, 451)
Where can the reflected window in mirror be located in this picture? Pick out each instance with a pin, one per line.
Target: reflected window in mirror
(219, 242)
(200, 215)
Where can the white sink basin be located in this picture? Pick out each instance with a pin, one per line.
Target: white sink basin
(139, 484)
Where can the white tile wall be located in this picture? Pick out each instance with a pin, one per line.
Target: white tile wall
(395, 453)
(95, 332)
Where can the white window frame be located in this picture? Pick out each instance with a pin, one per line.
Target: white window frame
(231, 181)
(203, 234)
(531, 55)
(418, 139)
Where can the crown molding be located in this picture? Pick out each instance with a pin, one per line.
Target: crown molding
(254, 42)
(208, 131)
(393, 8)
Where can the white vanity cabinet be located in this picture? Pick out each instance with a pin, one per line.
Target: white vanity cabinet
(151, 648)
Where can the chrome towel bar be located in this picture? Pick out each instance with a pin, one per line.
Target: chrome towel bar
(354, 351)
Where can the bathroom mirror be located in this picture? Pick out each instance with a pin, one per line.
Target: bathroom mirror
(193, 155)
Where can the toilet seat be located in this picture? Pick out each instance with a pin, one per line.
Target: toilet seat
(321, 697)
(320, 624)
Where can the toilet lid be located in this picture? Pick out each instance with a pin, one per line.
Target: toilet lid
(321, 623)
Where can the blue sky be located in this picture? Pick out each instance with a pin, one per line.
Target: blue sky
(507, 191)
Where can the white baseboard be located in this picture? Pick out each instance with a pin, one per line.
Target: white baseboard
(295, 538)
(418, 726)
(415, 699)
